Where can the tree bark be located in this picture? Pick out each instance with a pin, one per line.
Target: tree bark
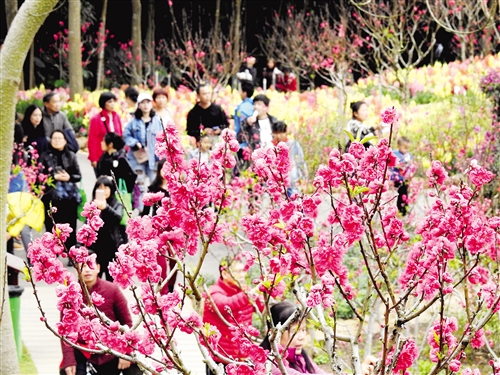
(136, 42)
(19, 38)
(102, 45)
(10, 11)
(150, 36)
(237, 30)
(215, 39)
(32, 79)
(75, 48)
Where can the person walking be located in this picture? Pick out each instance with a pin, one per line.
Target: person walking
(140, 136)
(106, 121)
(205, 116)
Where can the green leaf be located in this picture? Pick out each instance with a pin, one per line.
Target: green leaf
(359, 190)
(349, 134)
(368, 139)
(280, 225)
(16, 169)
(330, 321)
(436, 338)
(26, 274)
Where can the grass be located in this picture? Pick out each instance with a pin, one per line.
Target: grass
(26, 365)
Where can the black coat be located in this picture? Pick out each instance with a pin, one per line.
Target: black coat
(110, 235)
(52, 159)
(213, 116)
(119, 164)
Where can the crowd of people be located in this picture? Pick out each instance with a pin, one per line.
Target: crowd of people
(123, 158)
(283, 80)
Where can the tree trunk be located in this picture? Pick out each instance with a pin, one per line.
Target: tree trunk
(237, 31)
(136, 42)
(215, 39)
(19, 38)
(32, 80)
(150, 36)
(75, 48)
(10, 11)
(102, 45)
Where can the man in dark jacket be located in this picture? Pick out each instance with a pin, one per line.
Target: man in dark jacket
(205, 115)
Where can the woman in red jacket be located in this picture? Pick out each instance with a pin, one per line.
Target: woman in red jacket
(227, 292)
(101, 124)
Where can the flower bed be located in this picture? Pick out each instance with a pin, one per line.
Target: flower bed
(447, 115)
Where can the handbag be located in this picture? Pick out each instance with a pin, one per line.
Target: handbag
(67, 190)
(71, 144)
(141, 156)
(81, 205)
(126, 200)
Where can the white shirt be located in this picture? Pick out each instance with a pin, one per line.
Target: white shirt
(111, 125)
(266, 134)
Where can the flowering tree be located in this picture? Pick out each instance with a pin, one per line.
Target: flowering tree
(452, 259)
(285, 42)
(120, 65)
(474, 25)
(312, 44)
(396, 36)
(195, 58)
(57, 53)
(21, 33)
(397, 278)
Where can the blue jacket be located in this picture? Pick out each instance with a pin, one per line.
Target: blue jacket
(398, 173)
(242, 111)
(135, 132)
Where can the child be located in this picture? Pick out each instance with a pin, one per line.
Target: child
(202, 152)
(109, 237)
(357, 127)
(402, 173)
(115, 159)
(296, 360)
(299, 169)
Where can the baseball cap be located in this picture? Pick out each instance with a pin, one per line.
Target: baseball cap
(144, 96)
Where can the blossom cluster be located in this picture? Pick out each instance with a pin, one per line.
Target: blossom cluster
(292, 245)
(449, 223)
